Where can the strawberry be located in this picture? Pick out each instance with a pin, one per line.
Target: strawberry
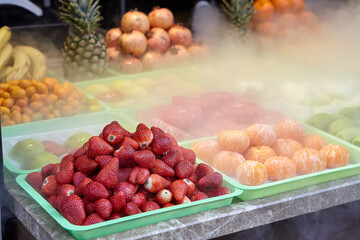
(92, 219)
(55, 169)
(103, 160)
(193, 178)
(202, 170)
(72, 208)
(188, 155)
(89, 206)
(129, 141)
(172, 157)
(98, 146)
(198, 196)
(86, 165)
(81, 151)
(109, 174)
(149, 206)
(218, 192)
(143, 135)
(78, 177)
(103, 207)
(93, 191)
(139, 199)
(49, 185)
(80, 188)
(142, 190)
(65, 190)
(191, 187)
(161, 144)
(114, 216)
(174, 144)
(67, 158)
(54, 148)
(53, 201)
(162, 169)
(168, 205)
(131, 209)
(184, 169)
(47, 169)
(139, 175)
(125, 154)
(151, 197)
(155, 183)
(179, 189)
(210, 181)
(123, 174)
(114, 133)
(171, 179)
(164, 196)
(184, 200)
(144, 158)
(66, 173)
(35, 179)
(127, 188)
(117, 201)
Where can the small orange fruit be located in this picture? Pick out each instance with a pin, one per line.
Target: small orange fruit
(206, 150)
(308, 18)
(266, 28)
(286, 147)
(259, 153)
(227, 162)
(314, 141)
(261, 135)
(233, 140)
(251, 173)
(264, 10)
(282, 6)
(288, 20)
(297, 5)
(309, 161)
(335, 155)
(290, 128)
(280, 168)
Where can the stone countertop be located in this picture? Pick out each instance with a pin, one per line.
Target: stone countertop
(213, 223)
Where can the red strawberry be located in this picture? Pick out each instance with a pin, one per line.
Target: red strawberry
(127, 188)
(131, 209)
(35, 179)
(109, 174)
(47, 169)
(66, 173)
(172, 157)
(129, 141)
(78, 177)
(123, 174)
(174, 144)
(149, 206)
(171, 179)
(139, 175)
(184, 169)
(53, 201)
(145, 158)
(65, 190)
(188, 155)
(168, 205)
(164, 196)
(202, 170)
(218, 192)
(210, 181)
(49, 185)
(80, 188)
(103, 207)
(191, 187)
(117, 201)
(103, 160)
(67, 158)
(98, 146)
(139, 199)
(114, 133)
(92, 219)
(161, 144)
(55, 169)
(142, 190)
(81, 151)
(72, 208)
(86, 165)
(193, 178)
(54, 148)
(125, 154)
(184, 200)
(114, 216)
(162, 169)
(155, 183)
(198, 196)
(89, 206)
(94, 191)
(151, 197)
(179, 189)
(143, 135)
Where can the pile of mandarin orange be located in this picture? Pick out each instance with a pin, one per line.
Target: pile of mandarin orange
(26, 100)
(261, 153)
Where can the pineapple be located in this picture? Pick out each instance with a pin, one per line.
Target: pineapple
(84, 52)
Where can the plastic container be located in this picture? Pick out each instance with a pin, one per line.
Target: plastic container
(274, 187)
(134, 221)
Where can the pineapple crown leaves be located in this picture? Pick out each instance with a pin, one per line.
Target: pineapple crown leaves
(238, 12)
(82, 15)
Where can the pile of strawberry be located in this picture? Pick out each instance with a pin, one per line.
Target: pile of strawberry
(119, 173)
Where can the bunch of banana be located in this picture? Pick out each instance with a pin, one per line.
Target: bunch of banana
(6, 48)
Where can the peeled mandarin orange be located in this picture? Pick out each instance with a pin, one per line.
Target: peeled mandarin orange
(309, 160)
(227, 162)
(206, 150)
(286, 147)
(259, 153)
(233, 140)
(261, 135)
(290, 128)
(314, 141)
(280, 168)
(335, 155)
(251, 173)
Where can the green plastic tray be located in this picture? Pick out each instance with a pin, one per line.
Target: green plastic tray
(57, 130)
(300, 181)
(134, 221)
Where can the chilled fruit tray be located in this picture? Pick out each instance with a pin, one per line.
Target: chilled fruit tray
(299, 181)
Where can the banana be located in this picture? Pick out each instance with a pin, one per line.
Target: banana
(5, 55)
(21, 66)
(38, 61)
(5, 35)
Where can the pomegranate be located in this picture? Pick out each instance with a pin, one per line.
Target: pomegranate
(158, 39)
(130, 65)
(152, 60)
(113, 53)
(135, 20)
(180, 35)
(177, 53)
(198, 49)
(133, 43)
(161, 17)
(112, 37)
